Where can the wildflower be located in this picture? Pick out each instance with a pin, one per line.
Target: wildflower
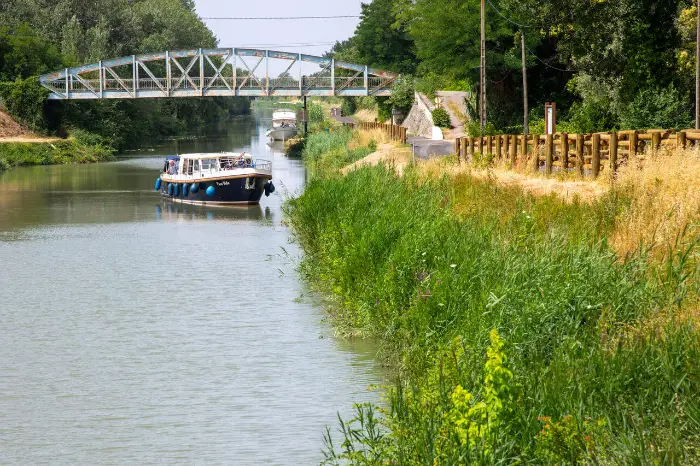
(453, 265)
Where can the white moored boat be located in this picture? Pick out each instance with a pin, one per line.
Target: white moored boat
(284, 125)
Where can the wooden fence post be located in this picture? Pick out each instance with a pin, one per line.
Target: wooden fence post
(536, 152)
(498, 147)
(506, 145)
(549, 153)
(613, 153)
(564, 149)
(596, 155)
(681, 140)
(513, 150)
(489, 145)
(580, 144)
(655, 142)
(481, 145)
(634, 141)
(463, 150)
(523, 147)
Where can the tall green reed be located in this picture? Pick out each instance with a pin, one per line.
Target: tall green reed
(397, 263)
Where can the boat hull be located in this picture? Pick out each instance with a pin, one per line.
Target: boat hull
(242, 190)
(279, 134)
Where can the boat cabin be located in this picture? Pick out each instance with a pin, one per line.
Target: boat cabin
(212, 165)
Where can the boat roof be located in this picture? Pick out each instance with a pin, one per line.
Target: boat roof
(284, 115)
(214, 155)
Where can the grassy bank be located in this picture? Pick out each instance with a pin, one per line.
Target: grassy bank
(517, 328)
(13, 154)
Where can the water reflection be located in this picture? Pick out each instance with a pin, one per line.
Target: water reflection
(184, 212)
(135, 330)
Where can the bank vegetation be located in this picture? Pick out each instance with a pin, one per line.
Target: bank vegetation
(520, 326)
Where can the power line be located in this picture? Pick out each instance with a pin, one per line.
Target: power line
(547, 64)
(504, 17)
(314, 44)
(278, 18)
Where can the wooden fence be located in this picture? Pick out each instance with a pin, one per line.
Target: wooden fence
(395, 132)
(586, 153)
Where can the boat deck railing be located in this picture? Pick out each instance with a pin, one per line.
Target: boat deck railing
(262, 164)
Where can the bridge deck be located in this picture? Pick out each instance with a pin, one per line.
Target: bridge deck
(161, 75)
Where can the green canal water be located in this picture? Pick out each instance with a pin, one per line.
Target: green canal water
(135, 331)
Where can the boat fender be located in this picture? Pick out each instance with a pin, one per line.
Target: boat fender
(267, 189)
(170, 189)
(194, 189)
(272, 187)
(185, 189)
(176, 190)
(210, 191)
(158, 183)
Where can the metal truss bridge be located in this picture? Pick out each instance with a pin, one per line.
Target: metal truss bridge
(215, 72)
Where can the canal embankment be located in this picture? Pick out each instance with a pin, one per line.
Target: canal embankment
(521, 325)
(21, 147)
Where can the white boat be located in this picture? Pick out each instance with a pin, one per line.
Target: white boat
(284, 125)
(215, 179)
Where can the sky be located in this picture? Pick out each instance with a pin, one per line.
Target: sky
(312, 37)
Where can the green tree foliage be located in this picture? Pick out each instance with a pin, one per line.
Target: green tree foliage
(381, 41)
(24, 54)
(39, 36)
(25, 99)
(594, 58)
(658, 108)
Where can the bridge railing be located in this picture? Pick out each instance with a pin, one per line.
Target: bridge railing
(247, 83)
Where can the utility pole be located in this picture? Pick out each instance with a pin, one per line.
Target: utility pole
(697, 68)
(482, 86)
(526, 128)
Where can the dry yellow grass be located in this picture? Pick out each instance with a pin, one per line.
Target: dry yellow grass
(567, 188)
(366, 115)
(364, 138)
(390, 154)
(665, 193)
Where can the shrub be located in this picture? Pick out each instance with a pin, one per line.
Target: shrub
(384, 107)
(404, 93)
(658, 108)
(348, 107)
(89, 139)
(294, 147)
(474, 129)
(441, 118)
(25, 100)
(316, 114)
(590, 117)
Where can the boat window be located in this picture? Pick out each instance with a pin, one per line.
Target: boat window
(188, 166)
(210, 164)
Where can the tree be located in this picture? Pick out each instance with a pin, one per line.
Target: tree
(381, 41)
(24, 54)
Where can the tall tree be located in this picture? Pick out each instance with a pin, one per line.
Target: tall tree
(382, 41)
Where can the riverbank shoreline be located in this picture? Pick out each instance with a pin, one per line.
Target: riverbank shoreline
(50, 152)
(578, 306)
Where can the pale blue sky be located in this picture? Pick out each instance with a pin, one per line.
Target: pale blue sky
(280, 34)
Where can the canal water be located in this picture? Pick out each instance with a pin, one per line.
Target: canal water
(135, 331)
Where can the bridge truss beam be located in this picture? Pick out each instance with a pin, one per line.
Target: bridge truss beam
(162, 75)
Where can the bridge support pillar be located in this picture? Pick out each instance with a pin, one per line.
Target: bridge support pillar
(306, 119)
(366, 80)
